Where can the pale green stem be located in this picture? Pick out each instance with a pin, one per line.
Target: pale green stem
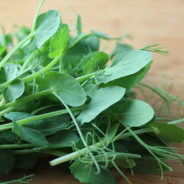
(43, 70)
(38, 117)
(36, 15)
(79, 132)
(83, 78)
(28, 60)
(120, 172)
(176, 121)
(24, 180)
(26, 99)
(3, 101)
(154, 90)
(74, 155)
(83, 151)
(3, 112)
(7, 83)
(16, 146)
(137, 132)
(8, 56)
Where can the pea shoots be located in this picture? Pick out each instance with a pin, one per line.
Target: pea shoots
(59, 97)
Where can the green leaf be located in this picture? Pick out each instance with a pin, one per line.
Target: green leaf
(63, 139)
(30, 135)
(169, 132)
(7, 137)
(14, 90)
(92, 62)
(68, 89)
(7, 160)
(2, 50)
(15, 116)
(129, 81)
(73, 55)
(51, 125)
(130, 63)
(47, 126)
(59, 41)
(111, 133)
(147, 165)
(78, 38)
(8, 72)
(133, 113)
(6, 40)
(100, 101)
(46, 26)
(93, 43)
(90, 87)
(125, 162)
(87, 174)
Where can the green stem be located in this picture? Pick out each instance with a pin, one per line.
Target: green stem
(74, 155)
(27, 151)
(83, 151)
(83, 78)
(2, 102)
(25, 179)
(8, 56)
(7, 83)
(150, 149)
(28, 60)
(36, 15)
(79, 132)
(43, 70)
(176, 121)
(137, 132)
(3, 112)
(155, 91)
(38, 117)
(16, 146)
(120, 172)
(170, 96)
(26, 99)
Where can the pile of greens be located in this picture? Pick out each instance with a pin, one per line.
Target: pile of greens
(59, 98)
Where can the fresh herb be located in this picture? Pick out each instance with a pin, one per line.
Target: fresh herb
(59, 97)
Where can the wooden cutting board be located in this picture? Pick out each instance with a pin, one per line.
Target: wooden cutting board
(158, 21)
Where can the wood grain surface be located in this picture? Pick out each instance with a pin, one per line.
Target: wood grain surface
(149, 21)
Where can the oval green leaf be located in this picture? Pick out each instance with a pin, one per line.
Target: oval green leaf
(100, 101)
(30, 135)
(92, 62)
(14, 90)
(68, 89)
(133, 113)
(130, 63)
(59, 41)
(46, 26)
(168, 132)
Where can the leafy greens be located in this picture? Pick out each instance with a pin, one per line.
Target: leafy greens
(60, 98)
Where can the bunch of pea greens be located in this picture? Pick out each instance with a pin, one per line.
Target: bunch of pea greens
(59, 98)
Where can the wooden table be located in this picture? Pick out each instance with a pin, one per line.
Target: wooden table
(149, 21)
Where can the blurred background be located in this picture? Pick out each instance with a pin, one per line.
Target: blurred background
(148, 21)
